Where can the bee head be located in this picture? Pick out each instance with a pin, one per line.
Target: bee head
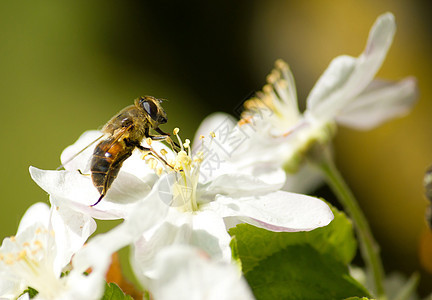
(153, 110)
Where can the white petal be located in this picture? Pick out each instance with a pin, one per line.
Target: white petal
(217, 123)
(210, 234)
(380, 102)
(37, 213)
(205, 230)
(186, 273)
(237, 184)
(148, 213)
(72, 229)
(71, 156)
(347, 77)
(304, 181)
(278, 211)
(148, 246)
(76, 190)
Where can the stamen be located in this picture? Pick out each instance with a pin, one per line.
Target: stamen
(186, 145)
(149, 141)
(159, 171)
(176, 131)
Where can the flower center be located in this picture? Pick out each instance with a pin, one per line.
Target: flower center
(274, 107)
(30, 261)
(186, 167)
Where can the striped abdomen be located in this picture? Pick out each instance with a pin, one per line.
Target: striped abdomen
(107, 159)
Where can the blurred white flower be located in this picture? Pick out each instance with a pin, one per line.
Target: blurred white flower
(188, 273)
(45, 242)
(345, 94)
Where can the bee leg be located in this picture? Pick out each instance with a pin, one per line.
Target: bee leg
(155, 154)
(84, 174)
(166, 136)
(99, 200)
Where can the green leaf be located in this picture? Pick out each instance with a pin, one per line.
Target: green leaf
(301, 272)
(336, 239)
(299, 265)
(113, 292)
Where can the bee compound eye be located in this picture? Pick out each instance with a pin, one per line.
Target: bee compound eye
(150, 108)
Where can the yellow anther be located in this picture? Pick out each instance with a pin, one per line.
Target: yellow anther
(201, 137)
(186, 143)
(12, 238)
(176, 130)
(163, 152)
(149, 141)
(38, 243)
(267, 89)
(280, 64)
(22, 254)
(26, 244)
(159, 171)
(212, 134)
(152, 163)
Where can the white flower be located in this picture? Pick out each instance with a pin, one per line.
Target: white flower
(206, 197)
(345, 94)
(206, 201)
(188, 273)
(36, 257)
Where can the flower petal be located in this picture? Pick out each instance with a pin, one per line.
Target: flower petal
(37, 213)
(147, 214)
(210, 234)
(186, 273)
(346, 77)
(380, 102)
(77, 156)
(72, 229)
(278, 211)
(216, 122)
(205, 230)
(237, 184)
(77, 191)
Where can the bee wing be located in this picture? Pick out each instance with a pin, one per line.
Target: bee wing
(78, 153)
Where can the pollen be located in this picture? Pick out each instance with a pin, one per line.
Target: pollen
(152, 163)
(280, 64)
(38, 244)
(22, 254)
(159, 171)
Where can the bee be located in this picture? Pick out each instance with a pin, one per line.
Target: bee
(123, 134)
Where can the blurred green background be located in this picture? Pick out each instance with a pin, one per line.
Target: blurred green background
(66, 67)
